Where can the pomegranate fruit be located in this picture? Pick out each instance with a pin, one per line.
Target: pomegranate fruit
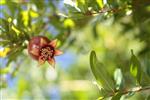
(42, 49)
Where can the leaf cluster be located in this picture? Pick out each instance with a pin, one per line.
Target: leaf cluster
(116, 88)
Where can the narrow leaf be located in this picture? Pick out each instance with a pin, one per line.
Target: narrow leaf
(135, 67)
(118, 77)
(100, 3)
(100, 73)
(82, 5)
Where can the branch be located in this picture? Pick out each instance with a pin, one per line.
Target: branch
(136, 89)
(113, 10)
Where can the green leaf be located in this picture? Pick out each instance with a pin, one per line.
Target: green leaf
(71, 9)
(118, 77)
(117, 96)
(94, 29)
(82, 5)
(15, 52)
(100, 73)
(148, 71)
(135, 68)
(12, 8)
(147, 64)
(100, 3)
(94, 4)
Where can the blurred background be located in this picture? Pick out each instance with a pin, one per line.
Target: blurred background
(111, 28)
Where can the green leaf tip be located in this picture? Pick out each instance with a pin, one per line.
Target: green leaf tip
(135, 67)
(132, 52)
(93, 52)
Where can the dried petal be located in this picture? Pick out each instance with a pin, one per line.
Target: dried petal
(53, 43)
(51, 61)
(58, 52)
(43, 42)
(41, 61)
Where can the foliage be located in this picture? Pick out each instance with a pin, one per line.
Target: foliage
(109, 27)
(105, 82)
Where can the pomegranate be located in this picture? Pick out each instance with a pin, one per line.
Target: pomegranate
(42, 49)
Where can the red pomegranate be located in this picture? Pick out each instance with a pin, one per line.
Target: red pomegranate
(42, 49)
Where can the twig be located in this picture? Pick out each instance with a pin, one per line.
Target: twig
(113, 10)
(136, 89)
